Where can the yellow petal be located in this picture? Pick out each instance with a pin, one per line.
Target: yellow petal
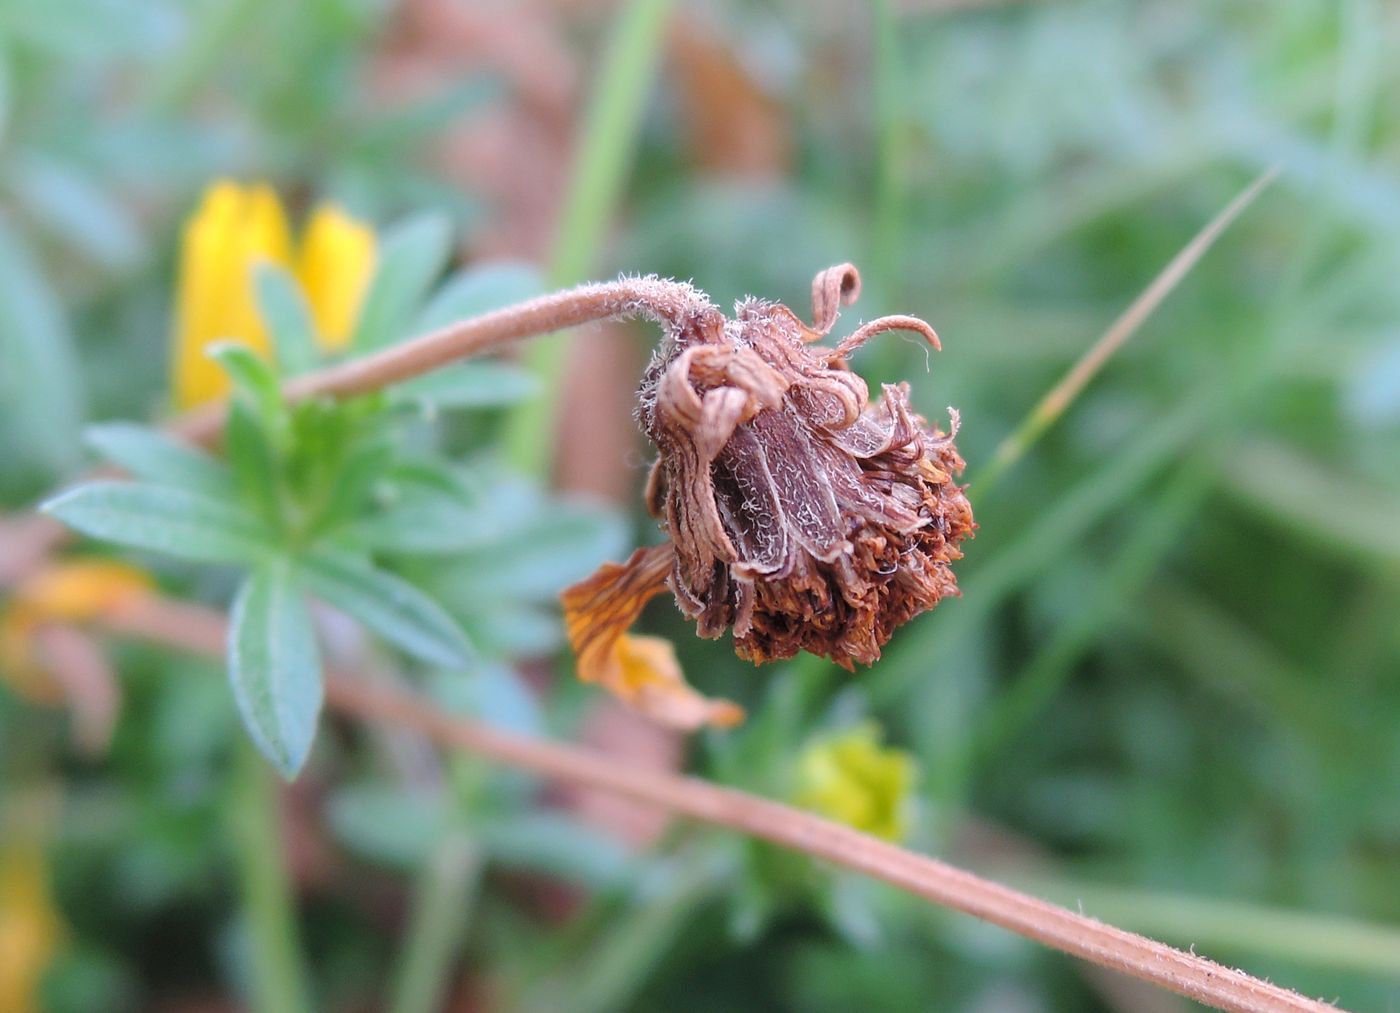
(642, 672)
(334, 267)
(30, 929)
(215, 299)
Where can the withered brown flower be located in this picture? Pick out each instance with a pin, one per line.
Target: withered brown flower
(799, 513)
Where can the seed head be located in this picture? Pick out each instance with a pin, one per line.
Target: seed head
(800, 514)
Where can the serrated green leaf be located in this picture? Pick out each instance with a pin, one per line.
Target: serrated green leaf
(288, 318)
(479, 289)
(176, 522)
(275, 667)
(157, 457)
(410, 259)
(389, 606)
(470, 385)
(254, 378)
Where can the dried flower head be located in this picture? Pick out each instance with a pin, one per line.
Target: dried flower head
(800, 514)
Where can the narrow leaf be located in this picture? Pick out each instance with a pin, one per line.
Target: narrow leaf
(157, 457)
(420, 523)
(274, 666)
(389, 606)
(411, 258)
(254, 378)
(479, 289)
(40, 397)
(470, 385)
(177, 522)
(288, 317)
(253, 461)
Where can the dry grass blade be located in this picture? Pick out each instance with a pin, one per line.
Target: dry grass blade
(1058, 399)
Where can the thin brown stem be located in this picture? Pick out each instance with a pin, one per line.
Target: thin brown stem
(202, 630)
(665, 301)
(660, 299)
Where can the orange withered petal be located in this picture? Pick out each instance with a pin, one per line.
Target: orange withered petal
(642, 672)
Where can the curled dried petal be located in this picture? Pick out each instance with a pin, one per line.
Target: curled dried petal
(640, 671)
(831, 289)
(865, 332)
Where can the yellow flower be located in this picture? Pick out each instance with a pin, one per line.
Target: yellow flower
(30, 929)
(73, 591)
(334, 267)
(852, 779)
(233, 230)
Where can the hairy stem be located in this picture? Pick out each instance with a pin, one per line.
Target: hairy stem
(655, 298)
(196, 628)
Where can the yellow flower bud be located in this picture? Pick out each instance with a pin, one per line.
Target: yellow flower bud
(234, 229)
(854, 780)
(334, 266)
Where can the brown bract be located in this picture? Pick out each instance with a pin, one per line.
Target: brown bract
(801, 515)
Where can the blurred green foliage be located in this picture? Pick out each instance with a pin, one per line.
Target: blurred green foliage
(1176, 664)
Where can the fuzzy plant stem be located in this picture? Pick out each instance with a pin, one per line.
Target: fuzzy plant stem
(192, 627)
(650, 297)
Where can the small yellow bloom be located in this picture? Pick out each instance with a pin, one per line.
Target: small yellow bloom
(334, 267)
(73, 591)
(30, 929)
(854, 780)
(233, 230)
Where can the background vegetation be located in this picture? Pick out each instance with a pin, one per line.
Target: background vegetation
(1170, 690)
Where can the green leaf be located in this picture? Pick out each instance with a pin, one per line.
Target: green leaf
(421, 522)
(77, 208)
(254, 463)
(39, 383)
(389, 606)
(157, 457)
(288, 317)
(540, 555)
(354, 484)
(176, 522)
(255, 379)
(479, 289)
(470, 385)
(387, 825)
(410, 259)
(274, 666)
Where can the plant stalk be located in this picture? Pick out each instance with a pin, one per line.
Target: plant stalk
(278, 982)
(196, 628)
